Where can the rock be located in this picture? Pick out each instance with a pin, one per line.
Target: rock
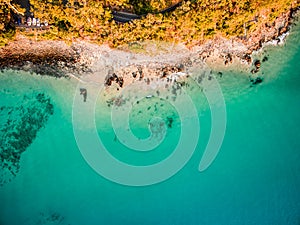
(169, 122)
(265, 58)
(83, 92)
(254, 71)
(148, 81)
(247, 58)
(121, 81)
(228, 57)
(113, 78)
(256, 80)
(257, 63)
(180, 67)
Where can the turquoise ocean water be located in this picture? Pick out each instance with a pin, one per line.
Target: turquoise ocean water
(255, 178)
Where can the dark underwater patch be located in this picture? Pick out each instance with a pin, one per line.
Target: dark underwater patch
(19, 126)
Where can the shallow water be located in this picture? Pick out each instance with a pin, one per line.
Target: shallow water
(254, 179)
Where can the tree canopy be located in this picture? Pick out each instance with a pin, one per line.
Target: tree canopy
(193, 21)
(7, 30)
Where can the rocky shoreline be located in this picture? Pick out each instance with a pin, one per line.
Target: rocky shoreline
(56, 58)
(53, 58)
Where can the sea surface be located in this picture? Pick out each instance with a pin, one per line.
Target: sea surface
(50, 175)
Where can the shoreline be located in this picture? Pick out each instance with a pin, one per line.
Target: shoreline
(146, 61)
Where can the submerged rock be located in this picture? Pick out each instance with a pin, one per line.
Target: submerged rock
(256, 80)
(169, 122)
(265, 58)
(49, 218)
(83, 92)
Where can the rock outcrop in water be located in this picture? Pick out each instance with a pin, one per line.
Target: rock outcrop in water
(257, 65)
(19, 127)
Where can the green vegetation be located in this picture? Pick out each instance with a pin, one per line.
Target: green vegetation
(191, 23)
(7, 31)
(149, 6)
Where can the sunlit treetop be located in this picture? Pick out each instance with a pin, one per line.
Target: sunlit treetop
(192, 22)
